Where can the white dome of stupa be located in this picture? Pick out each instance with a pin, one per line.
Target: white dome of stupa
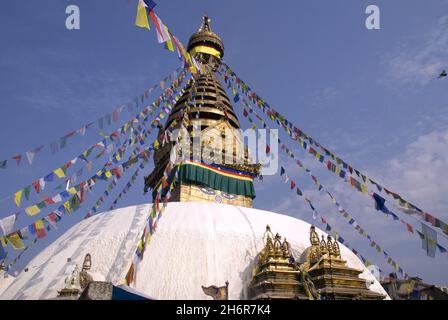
(196, 244)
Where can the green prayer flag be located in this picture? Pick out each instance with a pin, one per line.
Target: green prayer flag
(26, 192)
(41, 205)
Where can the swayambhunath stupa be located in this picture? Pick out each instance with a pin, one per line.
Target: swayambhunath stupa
(199, 236)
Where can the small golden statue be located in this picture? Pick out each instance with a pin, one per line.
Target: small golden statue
(84, 277)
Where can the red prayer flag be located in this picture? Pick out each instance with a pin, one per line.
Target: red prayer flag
(49, 201)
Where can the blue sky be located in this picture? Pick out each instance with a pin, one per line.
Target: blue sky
(370, 96)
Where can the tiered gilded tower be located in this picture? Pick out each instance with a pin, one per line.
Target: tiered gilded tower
(217, 167)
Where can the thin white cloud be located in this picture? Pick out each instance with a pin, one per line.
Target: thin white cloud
(420, 173)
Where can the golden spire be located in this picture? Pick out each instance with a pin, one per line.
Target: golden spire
(205, 41)
(205, 26)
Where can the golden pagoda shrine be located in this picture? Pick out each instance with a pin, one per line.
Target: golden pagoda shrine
(275, 275)
(330, 274)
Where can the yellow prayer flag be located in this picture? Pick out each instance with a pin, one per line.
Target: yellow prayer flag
(15, 241)
(33, 210)
(142, 17)
(72, 190)
(67, 206)
(3, 241)
(363, 188)
(108, 174)
(140, 244)
(169, 43)
(59, 172)
(18, 197)
(39, 225)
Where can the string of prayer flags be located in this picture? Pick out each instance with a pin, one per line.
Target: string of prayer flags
(94, 209)
(145, 11)
(427, 236)
(379, 201)
(361, 231)
(162, 34)
(342, 174)
(154, 216)
(39, 228)
(60, 143)
(320, 187)
(60, 172)
(35, 209)
(297, 134)
(129, 184)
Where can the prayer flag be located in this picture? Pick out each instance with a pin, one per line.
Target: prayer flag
(162, 34)
(169, 43)
(33, 210)
(15, 241)
(30, 154)
(18, 197)
(429, 243)
(36, 186)
(141, 19)
(59, 172)
(7, 224)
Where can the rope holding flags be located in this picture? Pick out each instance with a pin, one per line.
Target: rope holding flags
(318, 186)
(73, 204)
(425, 235)
(297, 134)
(329, 165)
(293, 186)
(41, 227)
(60, 173)
(162, 192)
